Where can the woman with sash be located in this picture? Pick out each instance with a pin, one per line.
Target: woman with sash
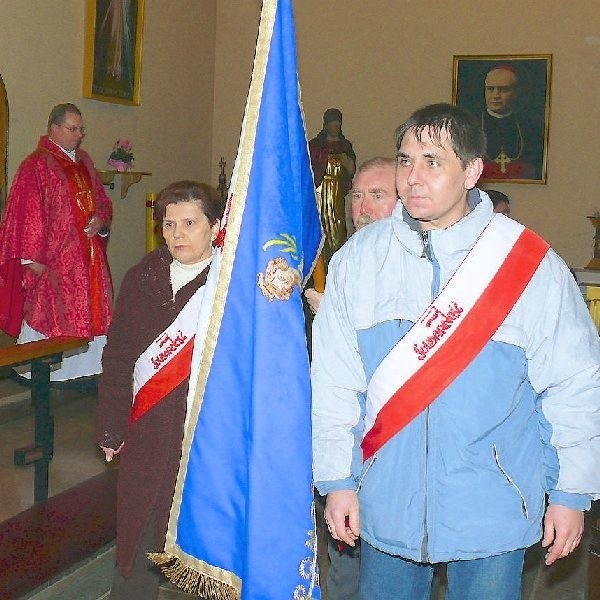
(143, 389)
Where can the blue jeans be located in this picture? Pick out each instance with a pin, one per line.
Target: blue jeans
(387, 577)
(344, 569)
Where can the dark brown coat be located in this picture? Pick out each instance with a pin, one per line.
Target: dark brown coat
(150, 457)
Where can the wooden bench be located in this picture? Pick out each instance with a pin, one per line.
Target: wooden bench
(40, 355)
(43, 541)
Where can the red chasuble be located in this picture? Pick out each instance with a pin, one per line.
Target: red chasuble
(50, 202)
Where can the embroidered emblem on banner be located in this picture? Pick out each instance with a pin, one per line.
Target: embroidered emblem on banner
(308, 567)
(280, 278)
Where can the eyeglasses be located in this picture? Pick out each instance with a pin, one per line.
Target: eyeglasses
(74, 129)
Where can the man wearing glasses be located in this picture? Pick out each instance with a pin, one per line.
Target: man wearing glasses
(54, 275)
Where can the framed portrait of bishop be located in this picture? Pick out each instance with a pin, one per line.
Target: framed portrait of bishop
(510, 94)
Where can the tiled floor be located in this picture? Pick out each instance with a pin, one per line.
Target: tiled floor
(76, 459)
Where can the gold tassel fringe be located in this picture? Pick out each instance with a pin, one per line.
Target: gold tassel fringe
(191, 581)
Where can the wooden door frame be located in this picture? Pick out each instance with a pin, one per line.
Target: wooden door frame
(3, 145)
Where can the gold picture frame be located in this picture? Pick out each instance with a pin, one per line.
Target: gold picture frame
(113, 51)
(510, 93)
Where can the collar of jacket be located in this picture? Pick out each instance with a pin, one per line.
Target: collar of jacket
(459, 237)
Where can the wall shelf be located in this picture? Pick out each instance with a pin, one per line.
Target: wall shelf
(128, 178)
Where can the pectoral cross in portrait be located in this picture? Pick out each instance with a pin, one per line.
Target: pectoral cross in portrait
(503, 159)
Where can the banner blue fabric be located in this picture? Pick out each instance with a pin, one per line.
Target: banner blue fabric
(245, 512)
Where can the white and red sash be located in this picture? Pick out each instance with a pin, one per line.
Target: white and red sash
(452, 330)
(167, 360)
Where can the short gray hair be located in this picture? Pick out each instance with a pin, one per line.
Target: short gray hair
(377, 162)
(60, 111)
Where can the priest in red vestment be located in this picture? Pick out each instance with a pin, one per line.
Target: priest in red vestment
(54, 274)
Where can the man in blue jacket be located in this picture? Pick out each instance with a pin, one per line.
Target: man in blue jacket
(456, 383)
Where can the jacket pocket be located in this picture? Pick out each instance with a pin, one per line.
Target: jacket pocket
(511, 481)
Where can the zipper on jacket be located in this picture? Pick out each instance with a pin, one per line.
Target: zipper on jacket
(426, 245)
(428, 254)
(425, 542)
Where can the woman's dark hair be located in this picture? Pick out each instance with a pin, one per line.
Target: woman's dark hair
(210, 201)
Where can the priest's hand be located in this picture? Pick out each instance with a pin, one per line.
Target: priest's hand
(36, 267)
(110, 453)
(342, 516)
(94, 226)
(563, 529)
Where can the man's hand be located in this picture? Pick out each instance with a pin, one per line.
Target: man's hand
(36, 267)
(342, 516)
(109, 453)
(563, 528)
(313, 298)
(93, 227)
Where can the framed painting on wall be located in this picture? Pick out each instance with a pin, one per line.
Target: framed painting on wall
(510, 94)
(113, 50)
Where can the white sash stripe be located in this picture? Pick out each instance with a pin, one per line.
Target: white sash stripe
(438, 321)
(167, 345)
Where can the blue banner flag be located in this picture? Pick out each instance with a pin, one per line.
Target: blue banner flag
(241, 523)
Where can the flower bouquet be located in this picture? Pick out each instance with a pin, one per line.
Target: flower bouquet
(121, 157)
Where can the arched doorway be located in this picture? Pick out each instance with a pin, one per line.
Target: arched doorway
(3, 144)
(4, 339)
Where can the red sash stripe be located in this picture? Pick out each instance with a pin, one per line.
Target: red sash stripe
(463, 345)
(163, 382)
